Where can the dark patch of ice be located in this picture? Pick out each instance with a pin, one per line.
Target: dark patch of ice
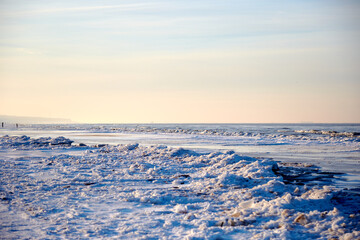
(180, 152)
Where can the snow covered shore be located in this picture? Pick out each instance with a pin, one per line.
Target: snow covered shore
(136, 192)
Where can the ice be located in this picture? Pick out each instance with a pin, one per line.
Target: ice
(131, 191)
(25, 142)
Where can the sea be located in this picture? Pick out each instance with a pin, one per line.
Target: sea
(332, 151)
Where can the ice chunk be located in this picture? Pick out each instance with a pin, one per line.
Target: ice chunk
(180, 152)
(61, 141)
(180, 209)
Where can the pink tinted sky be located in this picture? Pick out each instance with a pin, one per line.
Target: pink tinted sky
(181, 61)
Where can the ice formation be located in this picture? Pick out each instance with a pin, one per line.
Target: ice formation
(136, 192)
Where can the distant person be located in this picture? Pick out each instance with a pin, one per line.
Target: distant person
(17, 125)
(2, 124)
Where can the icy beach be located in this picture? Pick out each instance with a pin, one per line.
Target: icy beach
(60, 188)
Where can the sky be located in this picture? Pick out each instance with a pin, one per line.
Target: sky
(223, 61)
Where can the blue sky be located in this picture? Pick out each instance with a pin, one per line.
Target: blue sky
(181, 61)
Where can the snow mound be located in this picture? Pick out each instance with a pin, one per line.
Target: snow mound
(25, 142)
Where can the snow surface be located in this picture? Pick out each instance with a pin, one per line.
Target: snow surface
(51, 189)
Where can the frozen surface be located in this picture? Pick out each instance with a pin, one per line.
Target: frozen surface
(53, 188)
(333, 147)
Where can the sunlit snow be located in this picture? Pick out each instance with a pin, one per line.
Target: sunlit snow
(52, 188)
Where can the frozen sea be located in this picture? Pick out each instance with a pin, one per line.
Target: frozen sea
(180, 181)
(332, 147)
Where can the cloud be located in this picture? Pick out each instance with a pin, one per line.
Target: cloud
(135, 6)
(19, 51)
(121, 7)
(27, 51)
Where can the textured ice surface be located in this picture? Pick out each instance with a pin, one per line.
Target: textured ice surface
(156, 192)
(25, 142)
(333, 147)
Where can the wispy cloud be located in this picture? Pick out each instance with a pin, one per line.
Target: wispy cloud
(121, 7)
(135, 6)
(9, 50)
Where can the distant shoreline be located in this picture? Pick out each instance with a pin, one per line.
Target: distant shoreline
(33, 120)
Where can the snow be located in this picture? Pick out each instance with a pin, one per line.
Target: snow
(131, 191)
